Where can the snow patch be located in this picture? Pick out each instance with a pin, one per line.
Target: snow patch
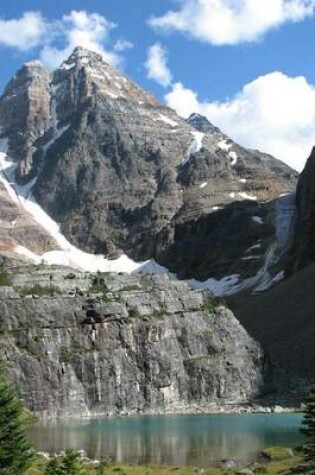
(233, 157)
(58, 133)
(5, 167)
(256, 246)
(67, 67)
(267, 283)
(167, 120)
(250, 258)
(247, 197)
(218, 288)
(198, 140)
(257, 219)
(203, 184)
(152, 267)
(232, 195)
(98, 76)
(111, 94)
(84, 59)
(242, 180)
(108, 75)
(195, 146)
(223, 145)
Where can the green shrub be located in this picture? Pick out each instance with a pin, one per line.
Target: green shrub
(211, 304)
(4, 277)
(130, 288)
(134, 313)
(41, 290)
(69, 464)
(101, 469)
(100, 288)
(160, 313)
(65, 356)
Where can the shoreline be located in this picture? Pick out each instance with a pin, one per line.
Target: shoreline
(224, 409)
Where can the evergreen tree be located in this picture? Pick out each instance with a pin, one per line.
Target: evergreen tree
(309, 430)
(16, 452)
(307, 466)
(69, 464)
(101, 469)
(53, 467)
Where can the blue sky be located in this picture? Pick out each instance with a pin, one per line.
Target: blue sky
(246, 64)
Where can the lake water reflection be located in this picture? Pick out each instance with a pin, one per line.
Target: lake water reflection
(196, 440)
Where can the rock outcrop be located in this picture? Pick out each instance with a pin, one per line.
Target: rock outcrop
(25, 114)
(302, 252)
(81, 344)
(18, 228)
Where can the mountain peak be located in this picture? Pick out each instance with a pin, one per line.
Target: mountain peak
(81, 56)
(202, 124)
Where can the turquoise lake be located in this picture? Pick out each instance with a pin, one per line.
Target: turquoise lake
(195, 440)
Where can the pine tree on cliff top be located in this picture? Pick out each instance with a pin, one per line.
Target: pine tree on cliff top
(15, 450)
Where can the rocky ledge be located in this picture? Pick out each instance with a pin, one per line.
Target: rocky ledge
(78, 344)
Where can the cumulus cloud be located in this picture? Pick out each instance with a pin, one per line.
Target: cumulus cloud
(78, 28)
(274, 113)
(156, 65)
(122, 45)
(23, 33)
(228, 22)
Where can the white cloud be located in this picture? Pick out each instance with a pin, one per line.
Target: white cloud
(156, 65)
(23, 33)
(274, 113)
(230, 22)
(80, 28)
(122, 45)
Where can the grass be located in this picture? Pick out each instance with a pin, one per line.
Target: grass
(130, 288)
(4, 277)
(99, 288)
(65, 356)
(30, 348)
(40, 290)
(272, 467)
(210, 305)
(161, 313)
(277, 453)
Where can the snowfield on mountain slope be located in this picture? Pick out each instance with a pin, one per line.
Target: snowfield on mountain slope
(70, 256)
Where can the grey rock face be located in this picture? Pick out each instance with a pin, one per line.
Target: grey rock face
(18, 228)
(143, 344)
(202, 124)
(123, 173)
(25, 114)
(303, 249)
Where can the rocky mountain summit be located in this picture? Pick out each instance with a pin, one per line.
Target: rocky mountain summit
(79, 344)
(123, 174)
